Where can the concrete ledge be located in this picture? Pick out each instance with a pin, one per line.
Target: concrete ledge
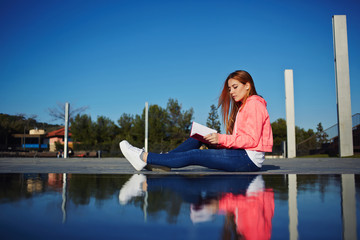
(121, 166)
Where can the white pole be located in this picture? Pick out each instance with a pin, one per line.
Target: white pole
(290, 113)
(342, 73)
(146, 125)
(67, 107)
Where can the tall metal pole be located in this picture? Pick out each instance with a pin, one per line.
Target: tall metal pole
(67, 107)
(146, 125)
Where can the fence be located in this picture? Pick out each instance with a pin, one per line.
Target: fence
(328, 144)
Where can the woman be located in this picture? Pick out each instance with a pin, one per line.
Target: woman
(242, 149)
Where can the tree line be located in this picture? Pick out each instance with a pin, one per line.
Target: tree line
(168, 127)
(12, 124)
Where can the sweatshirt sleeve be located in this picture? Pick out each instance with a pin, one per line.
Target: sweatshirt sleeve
(248, 127)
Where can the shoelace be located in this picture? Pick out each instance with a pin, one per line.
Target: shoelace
(135, 149)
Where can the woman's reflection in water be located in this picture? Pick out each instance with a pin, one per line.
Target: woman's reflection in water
(247, 215)
(248, 207)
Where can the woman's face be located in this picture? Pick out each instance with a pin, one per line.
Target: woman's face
(237, 89)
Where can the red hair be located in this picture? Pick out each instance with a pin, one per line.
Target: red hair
(229, 107)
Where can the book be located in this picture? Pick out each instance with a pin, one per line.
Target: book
(198, 131)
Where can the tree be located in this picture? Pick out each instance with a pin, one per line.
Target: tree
(321, 136)
(305, 141)
(302, 134)
(11, 124)
(126, 122)
(82, 132)
(58, 112)
(279, 134)
(303, 138)
(213, 119)
(167, 127)
(178, 123)
(157, 128)
(105, 132)
(138, 130)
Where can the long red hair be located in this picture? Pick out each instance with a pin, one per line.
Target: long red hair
(229, 107)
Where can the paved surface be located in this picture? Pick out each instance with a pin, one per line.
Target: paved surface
(121, 166)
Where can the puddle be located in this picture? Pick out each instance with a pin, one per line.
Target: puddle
(84, 206)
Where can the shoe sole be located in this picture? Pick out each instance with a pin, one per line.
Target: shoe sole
(157, 168)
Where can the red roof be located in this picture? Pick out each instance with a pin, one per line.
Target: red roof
(58, 133)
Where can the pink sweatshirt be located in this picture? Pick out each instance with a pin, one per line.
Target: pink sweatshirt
(252, 129)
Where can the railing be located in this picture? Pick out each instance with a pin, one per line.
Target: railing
(331, 134)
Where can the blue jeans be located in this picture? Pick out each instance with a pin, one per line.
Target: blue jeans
(188, 153)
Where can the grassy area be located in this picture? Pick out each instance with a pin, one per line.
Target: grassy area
(327, 156)
(315, 156)
(354, 156)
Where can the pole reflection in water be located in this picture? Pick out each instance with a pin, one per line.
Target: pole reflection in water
(247, 206)
(57, 206)
(348, 204)
(63, 205)
(293, 210)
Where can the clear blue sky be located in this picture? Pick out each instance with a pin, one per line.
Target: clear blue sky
(113, 56)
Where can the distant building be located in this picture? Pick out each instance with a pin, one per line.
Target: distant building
(57, 136)
(36, 139)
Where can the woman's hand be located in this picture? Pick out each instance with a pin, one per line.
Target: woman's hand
(212, 138)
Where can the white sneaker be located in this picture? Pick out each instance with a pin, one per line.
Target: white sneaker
(132, 154)
(132, 188)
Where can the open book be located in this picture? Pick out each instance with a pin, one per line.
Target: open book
(198, 131)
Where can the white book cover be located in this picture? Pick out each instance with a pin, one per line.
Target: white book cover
(198, 131)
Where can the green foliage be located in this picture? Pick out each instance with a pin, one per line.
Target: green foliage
(82, 129)
(279, 134)
(126, 122)
(157, 128)
(167, 128)
(302, 134)
(12, 124)
(321, 136)
(138, 131)
(305, 141)
(89, 135)
(178, 123)
(59, 146)
(213, 119)
(105, 131)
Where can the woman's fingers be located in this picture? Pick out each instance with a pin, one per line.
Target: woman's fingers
(212, 138)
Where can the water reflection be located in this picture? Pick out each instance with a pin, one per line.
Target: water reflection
(348, 201)
(247, 206)
(163, 206)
